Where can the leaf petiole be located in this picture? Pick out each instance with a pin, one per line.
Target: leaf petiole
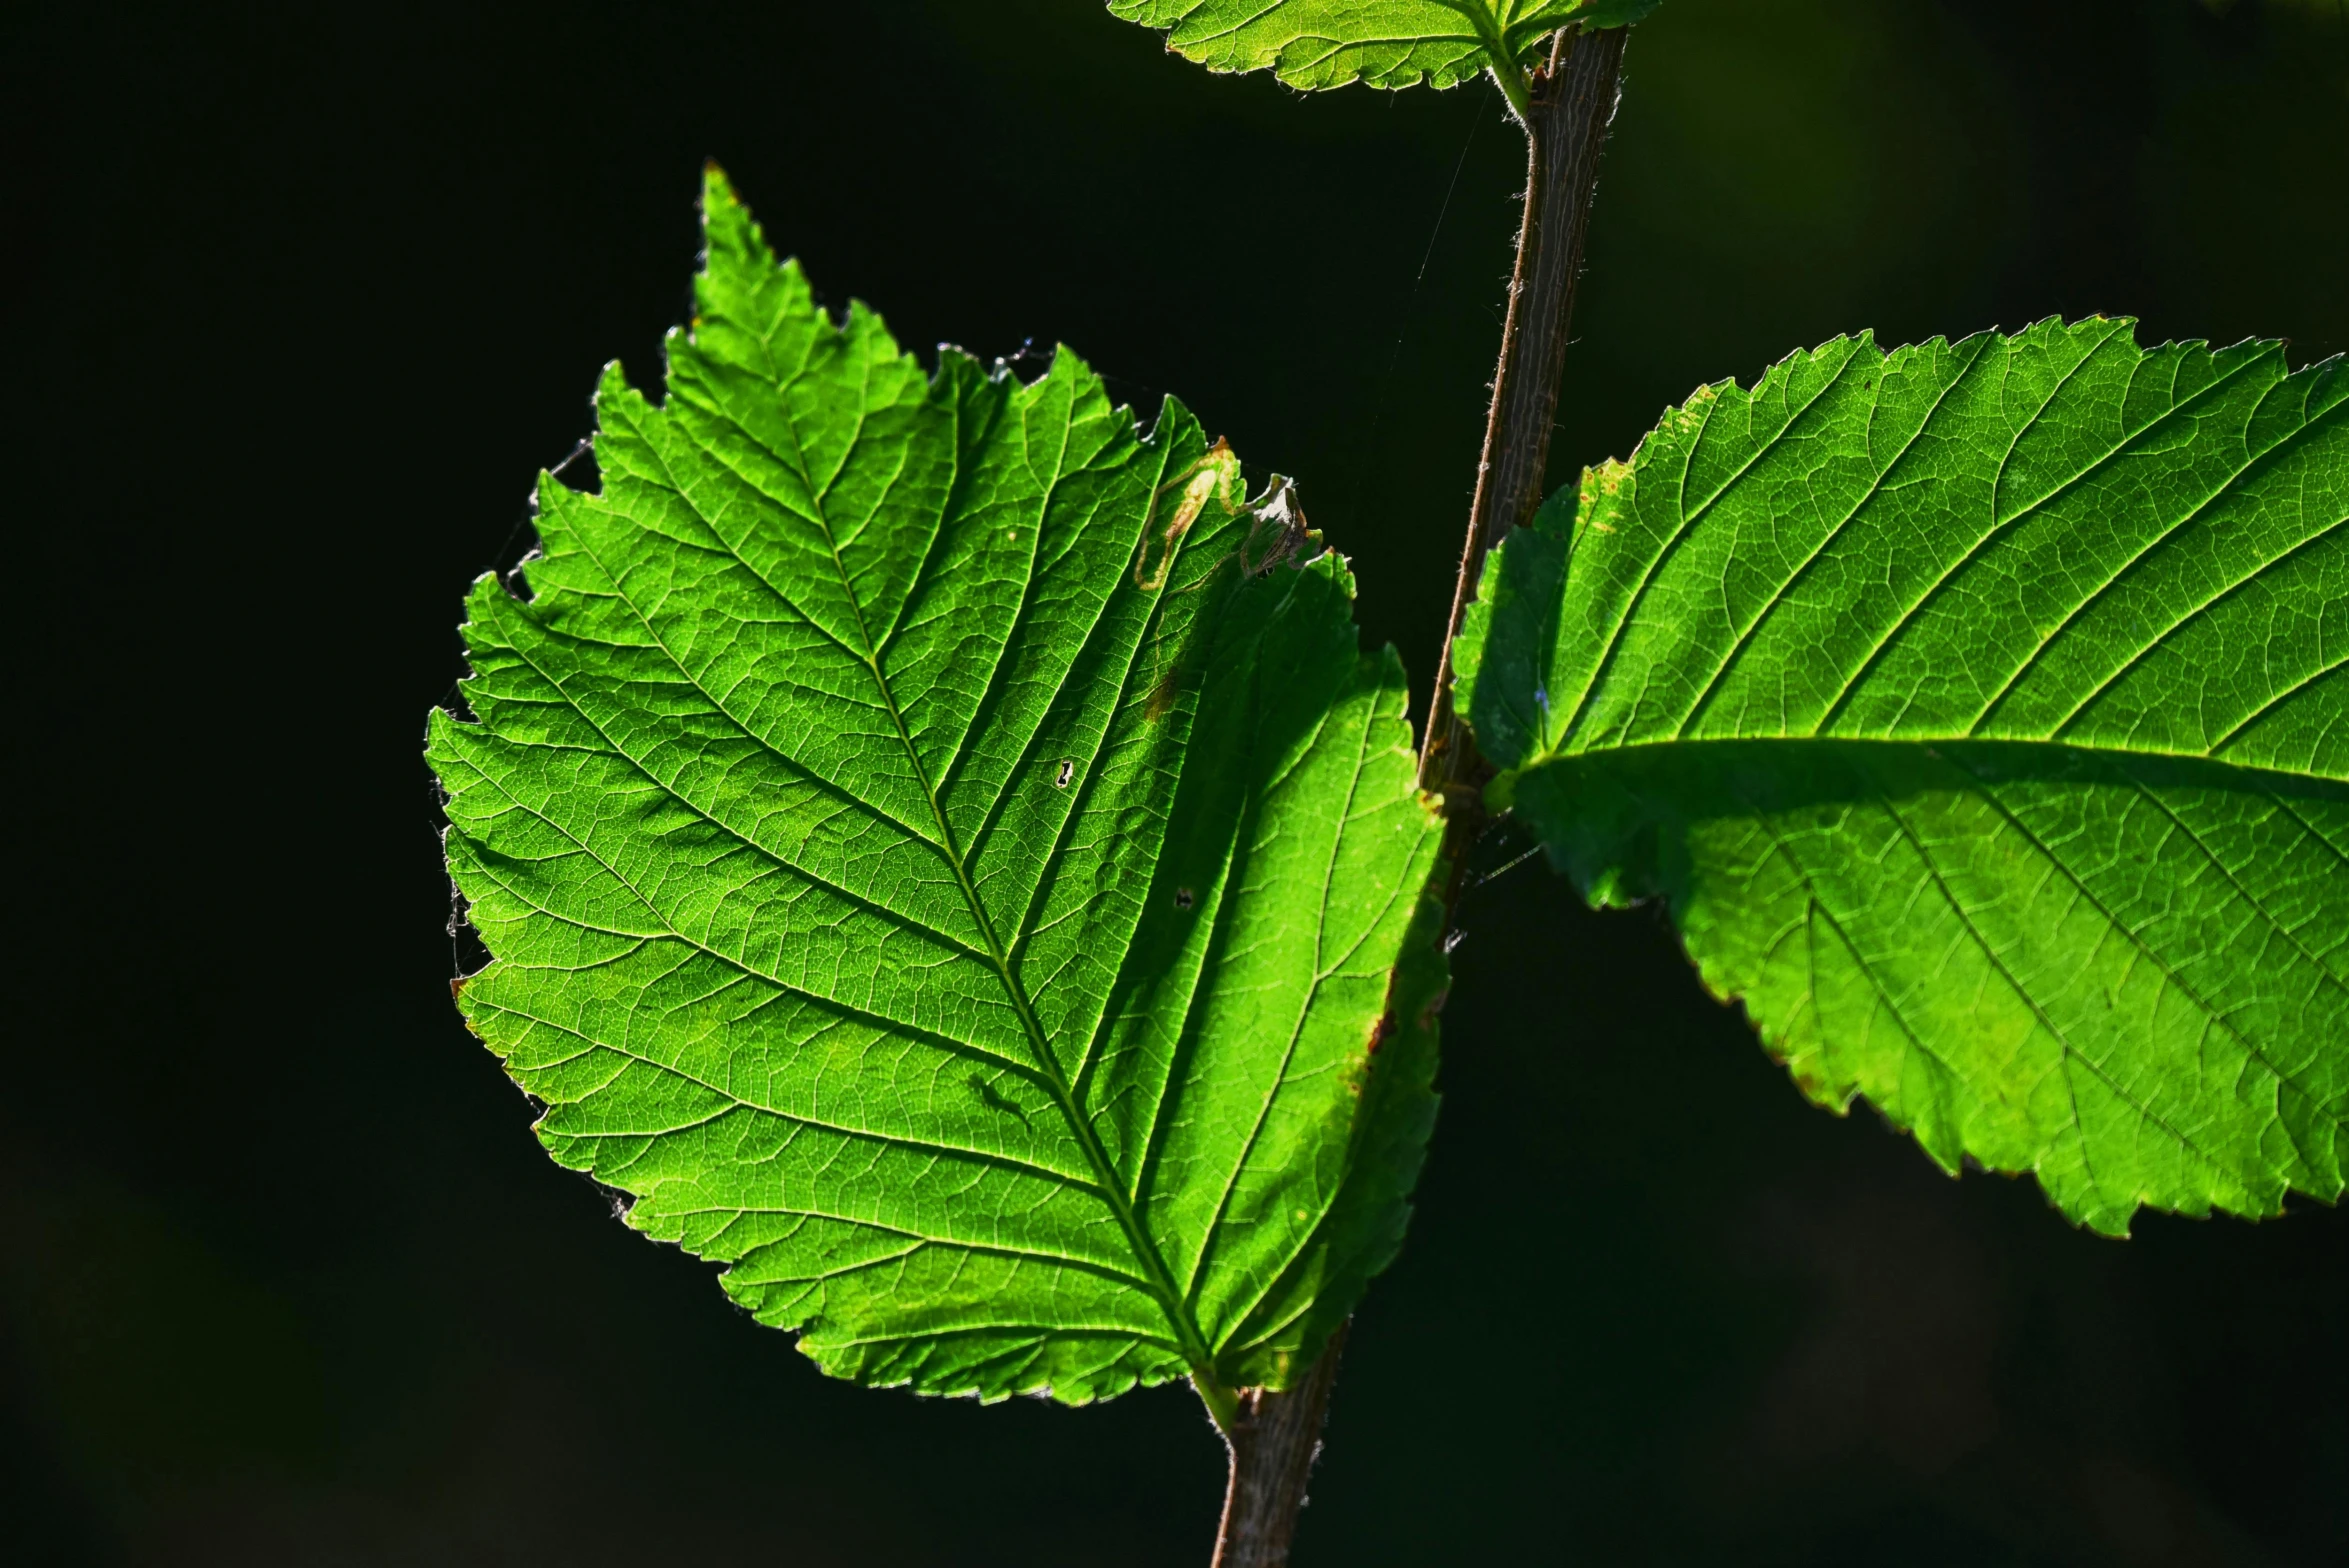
(1222, 1400)
(1506, 70)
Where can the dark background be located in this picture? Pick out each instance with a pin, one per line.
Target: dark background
(313, 293)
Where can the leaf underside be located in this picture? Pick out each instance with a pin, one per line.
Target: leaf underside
(1385, 43)
(1982, 712)
(945, 859)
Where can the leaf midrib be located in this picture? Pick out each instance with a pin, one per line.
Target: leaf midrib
(1190, 1340)
(1980, 787)
(1158, 1284)
(1680, 746)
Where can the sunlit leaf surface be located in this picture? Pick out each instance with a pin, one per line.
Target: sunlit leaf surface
(1386, 43)
(1981, 712)
(945, 859)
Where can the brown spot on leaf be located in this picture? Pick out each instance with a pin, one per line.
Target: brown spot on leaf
(1162, 696)
(1215, 476)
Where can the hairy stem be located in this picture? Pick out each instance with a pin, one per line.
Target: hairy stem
(1274, 1440)
(1566, 108)
(1571, 102)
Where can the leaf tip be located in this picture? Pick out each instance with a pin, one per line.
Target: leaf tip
(717, 190)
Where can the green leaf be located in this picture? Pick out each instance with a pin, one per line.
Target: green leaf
(1980, 710)
(1387, 43)
(945, 859)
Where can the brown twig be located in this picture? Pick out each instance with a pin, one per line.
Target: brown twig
(1273, 1442)
(1572, 102)
(1276, 1437)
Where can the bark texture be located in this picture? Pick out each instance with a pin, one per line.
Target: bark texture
(1275, 1437)
(1573, 102)
(1273, 1443)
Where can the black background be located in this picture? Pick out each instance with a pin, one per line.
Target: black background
(313, 293)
